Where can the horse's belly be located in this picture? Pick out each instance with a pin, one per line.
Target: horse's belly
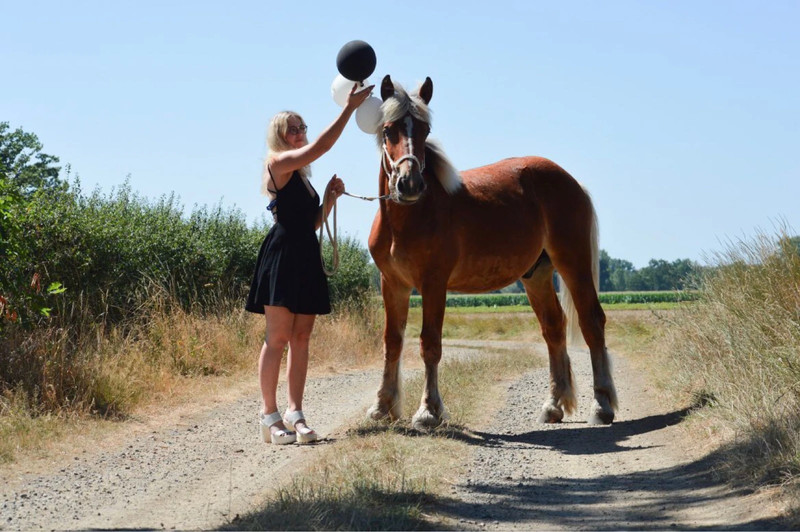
(483, 274)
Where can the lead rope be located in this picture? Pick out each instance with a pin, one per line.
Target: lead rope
(332, 235)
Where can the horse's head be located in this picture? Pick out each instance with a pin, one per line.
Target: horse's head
(406, 125)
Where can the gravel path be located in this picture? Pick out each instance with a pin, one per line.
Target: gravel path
(197, 473)
(199, 470)
(639, 473)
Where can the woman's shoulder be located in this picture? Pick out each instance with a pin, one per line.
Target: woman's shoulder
(280, 180)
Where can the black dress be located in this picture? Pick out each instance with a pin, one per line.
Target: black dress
(289, 268)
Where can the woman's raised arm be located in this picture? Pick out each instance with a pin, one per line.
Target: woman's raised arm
(284, 163)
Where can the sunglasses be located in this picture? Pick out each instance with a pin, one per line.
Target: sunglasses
(296, 130)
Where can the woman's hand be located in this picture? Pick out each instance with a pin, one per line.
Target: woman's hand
(335, 187)
(354, 99)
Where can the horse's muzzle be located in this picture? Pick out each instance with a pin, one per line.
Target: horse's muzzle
(410, 188)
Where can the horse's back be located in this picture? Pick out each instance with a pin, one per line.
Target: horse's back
(531, 170)
(536, 186)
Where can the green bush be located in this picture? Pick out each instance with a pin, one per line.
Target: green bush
(350, 285)
(77, 269)
(110, 250)
(611, 298)
(24, 170)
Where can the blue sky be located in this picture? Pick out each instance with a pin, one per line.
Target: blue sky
(681, 118)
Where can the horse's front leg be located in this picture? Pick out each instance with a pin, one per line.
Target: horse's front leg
(432, 412)
(395, 303)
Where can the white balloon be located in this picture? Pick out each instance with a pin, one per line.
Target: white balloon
(340, 89)
(368, 115)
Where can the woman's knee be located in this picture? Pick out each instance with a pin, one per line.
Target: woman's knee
(300, 338)
(301, 332)
(276, 340)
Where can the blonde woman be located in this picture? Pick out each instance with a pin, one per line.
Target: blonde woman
(289, 286)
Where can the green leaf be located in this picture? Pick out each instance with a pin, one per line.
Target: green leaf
(56, 288)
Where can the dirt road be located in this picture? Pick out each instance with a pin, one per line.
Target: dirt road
(642, 472)
(200, 467)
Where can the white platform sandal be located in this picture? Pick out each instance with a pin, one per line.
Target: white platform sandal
(279, 437)
(305, 434)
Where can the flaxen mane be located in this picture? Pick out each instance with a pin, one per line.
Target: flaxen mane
(402, 104)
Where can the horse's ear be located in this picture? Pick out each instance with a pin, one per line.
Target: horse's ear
(387, 87)
(426, 91)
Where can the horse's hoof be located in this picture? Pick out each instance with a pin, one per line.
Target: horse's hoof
(602, 413)
(424, 419)
(601, 418)
(551, 414)
(377, 413)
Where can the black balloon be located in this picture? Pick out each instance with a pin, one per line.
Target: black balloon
(356, 61)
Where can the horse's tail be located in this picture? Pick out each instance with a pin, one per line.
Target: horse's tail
(574, 335)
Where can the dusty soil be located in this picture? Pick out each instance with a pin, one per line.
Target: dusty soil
(194, 469)
(201, 465)
(643, 472)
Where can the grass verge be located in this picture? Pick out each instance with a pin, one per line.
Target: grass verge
(481, 325)
(737, 349)
(69, 382)
(387, 476)
(511, 309)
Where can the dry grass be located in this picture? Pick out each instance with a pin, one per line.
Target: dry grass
(380, 481)
(739, 348)
(347, 338)
(521, 326)
(384, 477)
(167, 356)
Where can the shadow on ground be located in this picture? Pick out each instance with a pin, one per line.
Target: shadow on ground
(572, 437)
(656, 496)
(361, 508)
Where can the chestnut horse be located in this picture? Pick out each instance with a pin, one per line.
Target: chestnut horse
(477, 231)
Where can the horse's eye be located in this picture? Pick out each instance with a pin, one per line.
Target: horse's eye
(390, 134)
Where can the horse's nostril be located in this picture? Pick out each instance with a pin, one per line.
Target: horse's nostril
(410, 186)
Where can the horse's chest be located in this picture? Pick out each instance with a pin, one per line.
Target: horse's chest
(411, 254)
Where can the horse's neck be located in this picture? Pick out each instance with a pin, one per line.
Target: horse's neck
(434, 205)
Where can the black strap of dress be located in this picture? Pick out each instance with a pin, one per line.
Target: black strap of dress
(273, 205)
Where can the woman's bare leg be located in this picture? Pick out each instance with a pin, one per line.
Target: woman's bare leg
(279, 328)
(297, 365)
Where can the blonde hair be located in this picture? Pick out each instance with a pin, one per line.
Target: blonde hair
(276, 143)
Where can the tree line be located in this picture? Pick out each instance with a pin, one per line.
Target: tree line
(618, 275)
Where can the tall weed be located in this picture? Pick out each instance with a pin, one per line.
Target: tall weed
(108, 369)
(739, 346)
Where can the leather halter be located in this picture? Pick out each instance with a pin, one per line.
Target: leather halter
(394, 166)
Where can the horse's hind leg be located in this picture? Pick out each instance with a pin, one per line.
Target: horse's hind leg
(592, 320)
(543, 299)
(395, 302)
